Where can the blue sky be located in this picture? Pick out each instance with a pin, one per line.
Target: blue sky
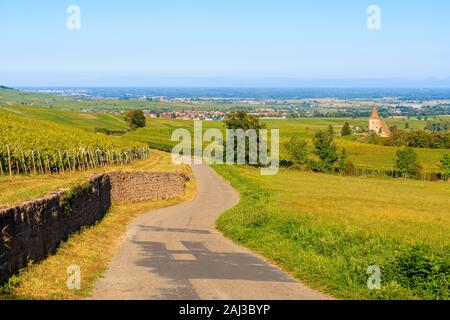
(243, 41)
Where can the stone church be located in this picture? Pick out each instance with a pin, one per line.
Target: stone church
(377, 125)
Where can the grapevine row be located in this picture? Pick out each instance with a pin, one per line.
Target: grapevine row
(17, 161)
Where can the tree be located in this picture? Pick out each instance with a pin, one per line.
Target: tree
(344, 165)
(326, 150)
(135, 119)
(330, 130)
(346, 130)
(445, 165)
(406, 125)
(242, 120)
(407, 163)
(298, 150)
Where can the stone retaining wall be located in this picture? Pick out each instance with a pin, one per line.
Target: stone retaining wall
(139, 186)
(35, 229)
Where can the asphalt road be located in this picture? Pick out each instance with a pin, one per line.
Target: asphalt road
(175, 253)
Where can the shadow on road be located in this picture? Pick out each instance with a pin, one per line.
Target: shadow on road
(177, 230)
(205, 264)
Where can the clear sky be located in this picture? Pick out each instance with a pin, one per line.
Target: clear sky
(142, 42)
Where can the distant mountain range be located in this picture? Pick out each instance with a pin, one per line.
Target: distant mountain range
(5, 88)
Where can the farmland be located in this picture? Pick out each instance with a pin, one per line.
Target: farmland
(327, 230)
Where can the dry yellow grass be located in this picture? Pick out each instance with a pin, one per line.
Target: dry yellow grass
(93, 247)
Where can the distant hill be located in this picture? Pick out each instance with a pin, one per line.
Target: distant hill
(5, 88)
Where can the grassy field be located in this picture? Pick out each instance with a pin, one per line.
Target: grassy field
(326, 230)
(91, 248)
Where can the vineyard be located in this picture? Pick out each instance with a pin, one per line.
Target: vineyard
(38, 147)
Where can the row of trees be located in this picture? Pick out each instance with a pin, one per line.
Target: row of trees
(345, 131)
(413, 139)
(440, 125)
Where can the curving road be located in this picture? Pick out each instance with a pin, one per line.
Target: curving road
(175, 253)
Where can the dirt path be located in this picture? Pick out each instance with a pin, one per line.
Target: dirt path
(175, 253)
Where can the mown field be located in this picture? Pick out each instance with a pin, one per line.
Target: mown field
(327, 230)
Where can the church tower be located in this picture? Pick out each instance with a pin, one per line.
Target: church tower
(377, 125)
